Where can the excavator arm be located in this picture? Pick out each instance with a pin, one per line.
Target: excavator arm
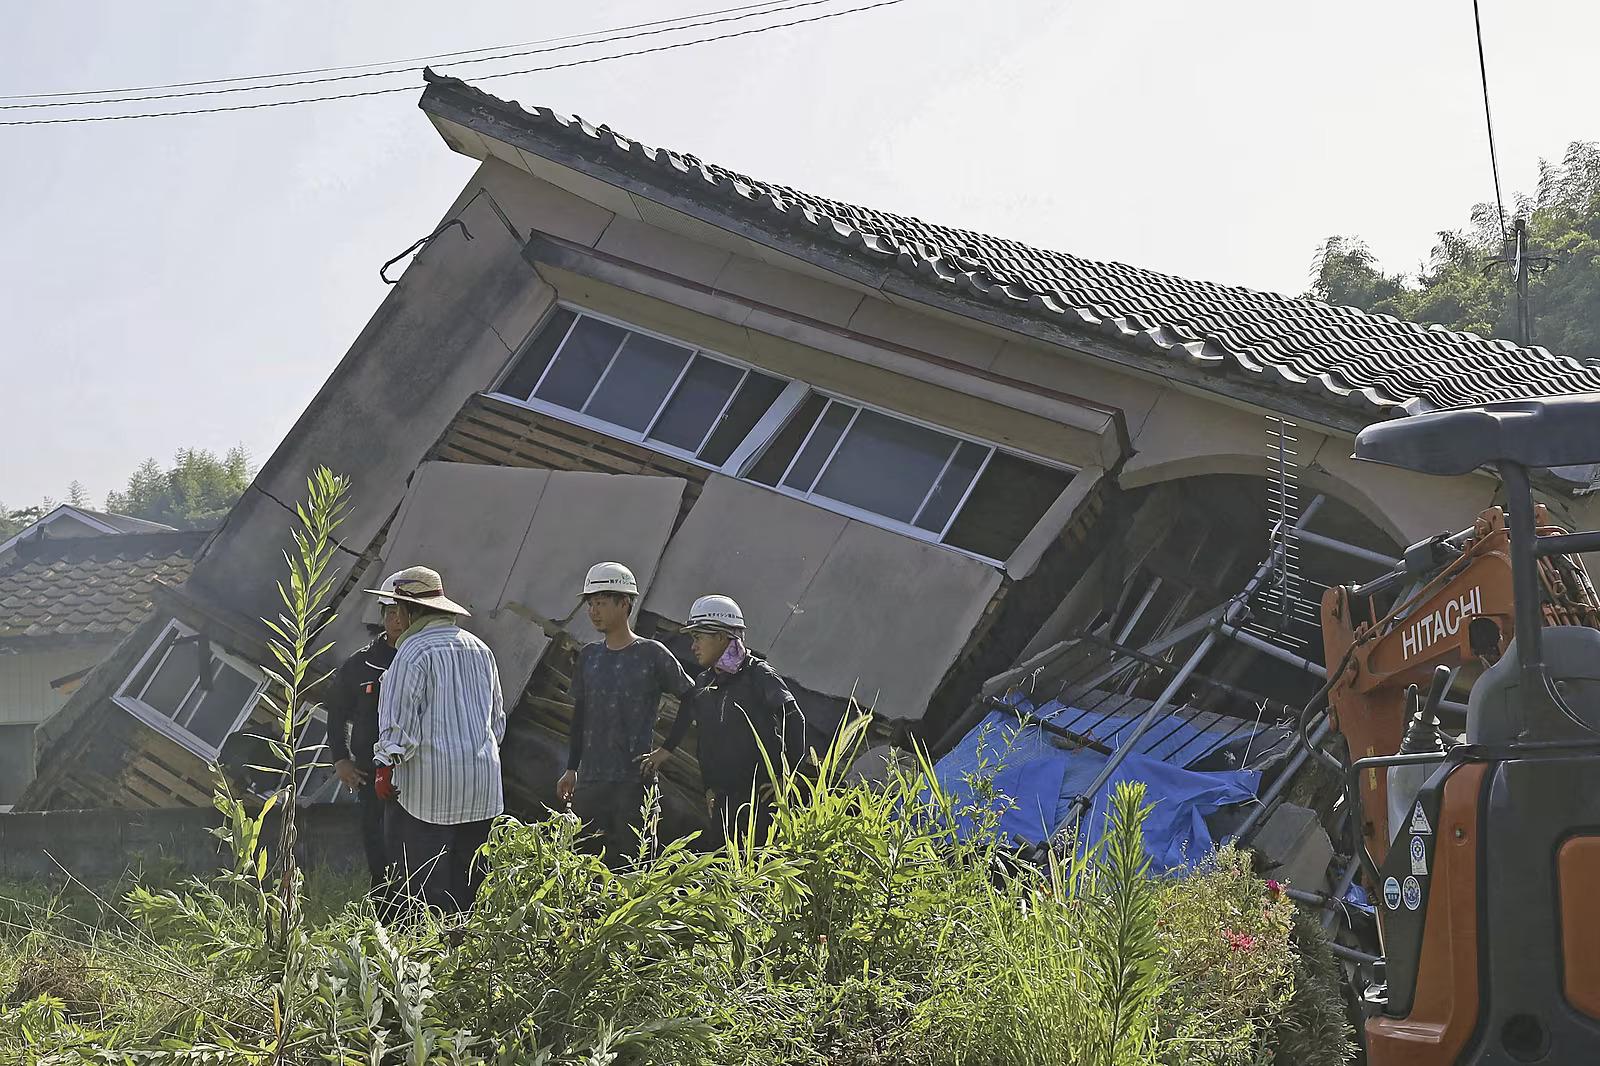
(1450, 604)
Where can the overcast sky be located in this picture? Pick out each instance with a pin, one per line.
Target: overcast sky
(191, 281)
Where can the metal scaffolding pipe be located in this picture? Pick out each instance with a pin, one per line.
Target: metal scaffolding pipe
(1231, 614)
(1337, 901)
(1385, 561)
(1266, 647)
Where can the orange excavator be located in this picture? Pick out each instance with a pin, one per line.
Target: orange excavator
(1477, 826)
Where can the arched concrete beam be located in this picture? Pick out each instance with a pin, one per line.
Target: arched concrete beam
(1186, 436)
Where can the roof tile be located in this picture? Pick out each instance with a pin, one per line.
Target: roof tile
(1348, 355)
(89, 585)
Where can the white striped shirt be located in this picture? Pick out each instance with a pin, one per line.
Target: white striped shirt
(441, 718)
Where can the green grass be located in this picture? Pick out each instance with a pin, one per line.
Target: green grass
(861, 932)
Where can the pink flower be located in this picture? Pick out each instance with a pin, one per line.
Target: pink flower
(1239, 941)
(1274, 889)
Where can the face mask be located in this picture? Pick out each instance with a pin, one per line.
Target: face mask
(733, 658)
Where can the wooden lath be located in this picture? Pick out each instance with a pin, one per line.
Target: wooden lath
(497, 433)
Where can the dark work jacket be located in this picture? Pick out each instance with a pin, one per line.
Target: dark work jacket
(726, 706)
(352, 704)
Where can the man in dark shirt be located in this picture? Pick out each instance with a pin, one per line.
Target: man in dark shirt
(748, 720)
(616, 693)
(352, 706)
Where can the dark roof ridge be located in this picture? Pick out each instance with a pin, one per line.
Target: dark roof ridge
(185, 542)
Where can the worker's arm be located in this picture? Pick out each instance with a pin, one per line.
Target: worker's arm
(688, 704)
(575, 734)
(400, 698)
(340, 704)
(497, 704)
(669, 673)
(671, 678)
(787, 717)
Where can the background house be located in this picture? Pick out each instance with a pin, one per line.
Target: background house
(66, 520)
(69, 593)
(916, 455)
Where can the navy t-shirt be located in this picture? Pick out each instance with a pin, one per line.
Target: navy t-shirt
(616, 697)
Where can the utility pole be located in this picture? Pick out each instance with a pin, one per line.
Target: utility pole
(1523, 267)
(1519, 272)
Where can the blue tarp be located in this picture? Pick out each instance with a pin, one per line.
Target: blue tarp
(1041, 780)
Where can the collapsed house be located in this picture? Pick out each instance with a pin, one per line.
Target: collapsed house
(946, 475)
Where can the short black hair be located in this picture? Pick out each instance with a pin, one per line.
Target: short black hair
(613, 595)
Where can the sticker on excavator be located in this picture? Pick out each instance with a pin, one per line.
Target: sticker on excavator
(1419, 857)
(1405, 877)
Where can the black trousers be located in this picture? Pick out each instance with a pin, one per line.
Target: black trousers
(613, 816)
(730, 815)
(372, 833)
(437, 864)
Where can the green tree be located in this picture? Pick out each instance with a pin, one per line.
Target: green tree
(196, 492)
(1461, 289)
(15, 521)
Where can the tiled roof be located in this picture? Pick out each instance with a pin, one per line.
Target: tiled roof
(1366, 360)
(89, 586)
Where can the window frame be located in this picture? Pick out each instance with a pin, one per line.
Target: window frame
(620, 432)
(169, 727)
(820, 499)
(749, 451)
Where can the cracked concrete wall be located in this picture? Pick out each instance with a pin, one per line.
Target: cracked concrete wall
(513, 544)
(842, 607)
(442, 334)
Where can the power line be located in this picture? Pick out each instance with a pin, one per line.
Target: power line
(788, 5)
(487, 77)
(1494, 161)
(367, 66)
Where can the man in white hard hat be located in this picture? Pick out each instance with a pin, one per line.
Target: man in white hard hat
(352, 706)
(748, 720)
(617, 689)
(441, 718)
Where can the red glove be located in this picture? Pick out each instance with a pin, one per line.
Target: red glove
(383, 783)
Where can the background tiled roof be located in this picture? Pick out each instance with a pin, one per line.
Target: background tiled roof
(89, 586)
(1365, 359)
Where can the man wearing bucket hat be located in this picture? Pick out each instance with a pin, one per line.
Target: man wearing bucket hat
(352, 706)
(748, 721)
(441, 717)
(616, 692)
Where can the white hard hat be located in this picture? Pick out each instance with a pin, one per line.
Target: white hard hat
(715, 614)
(386, 589)
(610, 577)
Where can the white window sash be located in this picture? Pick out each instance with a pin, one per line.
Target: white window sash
(748, 451)
(169, 727)
(767, 426)
(955, 448)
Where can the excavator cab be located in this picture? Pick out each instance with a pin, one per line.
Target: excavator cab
(1487, 876)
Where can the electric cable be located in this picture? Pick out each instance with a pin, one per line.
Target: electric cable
(1488, 119)
(790, 5)
(366, 66)
(485, 77)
